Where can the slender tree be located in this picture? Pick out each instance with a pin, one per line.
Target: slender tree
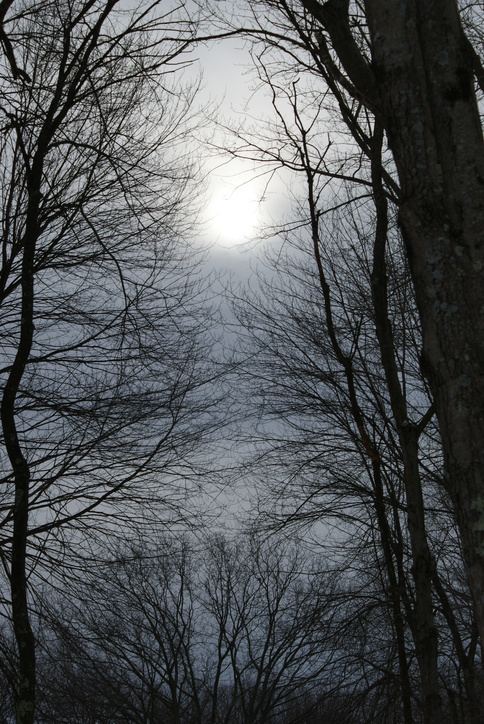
(101, 363)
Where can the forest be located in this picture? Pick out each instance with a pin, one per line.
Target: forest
(253, 497)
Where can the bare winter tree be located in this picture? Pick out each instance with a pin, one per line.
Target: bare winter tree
(141, 666)
(269, 614)
(407, 143)
(211, 632)
(333, 351)
(103, 358)
(412, 67)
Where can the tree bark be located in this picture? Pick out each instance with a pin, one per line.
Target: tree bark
(425, 80)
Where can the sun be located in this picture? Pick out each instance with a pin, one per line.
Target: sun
(233, 214)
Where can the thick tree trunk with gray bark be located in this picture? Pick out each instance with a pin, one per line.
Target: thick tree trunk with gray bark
(425, 82)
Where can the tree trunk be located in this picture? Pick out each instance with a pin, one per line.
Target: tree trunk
(425, 84)
(20, 467)
(423, 628)
(18, 576)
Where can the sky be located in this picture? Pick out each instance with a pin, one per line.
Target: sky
(240, 205)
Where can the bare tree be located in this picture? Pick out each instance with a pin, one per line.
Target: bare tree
(210, 632)
(102, 368)
(272, 612)
(334, 347)
(329, 56)
(127, 639)
(413, 69)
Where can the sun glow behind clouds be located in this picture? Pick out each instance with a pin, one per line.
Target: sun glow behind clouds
(233, 213)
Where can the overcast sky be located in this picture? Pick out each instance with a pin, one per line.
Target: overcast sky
(240, 206)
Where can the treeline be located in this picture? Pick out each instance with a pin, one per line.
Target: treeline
(176, 629)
